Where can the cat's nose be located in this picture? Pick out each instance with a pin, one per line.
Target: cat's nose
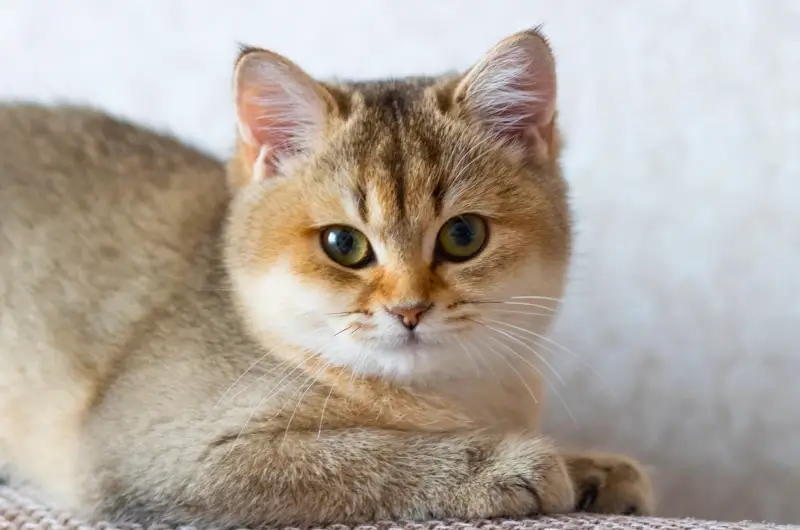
(410, 315)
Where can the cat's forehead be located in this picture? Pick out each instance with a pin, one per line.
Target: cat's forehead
(398, 155)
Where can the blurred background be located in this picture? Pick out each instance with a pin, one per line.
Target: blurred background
(682, 121)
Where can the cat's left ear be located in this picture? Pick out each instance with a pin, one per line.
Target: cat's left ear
(512, 92)
(281, 111)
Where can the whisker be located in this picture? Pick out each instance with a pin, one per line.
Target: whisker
(246, 423)
(511, 311)
(241, 376)
(522, 379)
(303, 374)
(354, 369)
(471, 358)
(536, 353)
(528, 304)
(550, 298)
(534, 334)
(322, 414)
(261, 402)
(302, 397)
(551, 341)
(260, 378)
(544, 377)
(516, 354)
(497, 378)
(549, 349)
(343, 330)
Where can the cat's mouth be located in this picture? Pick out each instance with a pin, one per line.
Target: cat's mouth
(410, 338)
(398, 341)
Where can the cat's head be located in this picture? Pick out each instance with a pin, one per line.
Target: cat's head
(408, 228)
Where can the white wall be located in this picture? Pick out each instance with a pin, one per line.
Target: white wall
(683, 123)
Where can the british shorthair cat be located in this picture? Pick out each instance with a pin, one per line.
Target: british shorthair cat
(342, 325)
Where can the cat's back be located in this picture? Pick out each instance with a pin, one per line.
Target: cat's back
(99, 219)
(73, 164)
(101, 224)
(93, 207)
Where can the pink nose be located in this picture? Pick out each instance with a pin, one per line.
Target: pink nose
(410, 315)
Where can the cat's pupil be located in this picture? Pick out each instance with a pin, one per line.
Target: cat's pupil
(343, 241)
(461, 233)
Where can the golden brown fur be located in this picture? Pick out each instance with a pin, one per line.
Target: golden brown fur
(175, 346)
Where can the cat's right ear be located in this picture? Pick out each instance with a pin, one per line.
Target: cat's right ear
(281, 112)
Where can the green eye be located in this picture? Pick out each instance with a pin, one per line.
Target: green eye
(346, 246)
(462, 237)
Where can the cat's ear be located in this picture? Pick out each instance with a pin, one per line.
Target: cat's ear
(512, 91)
(281, 111)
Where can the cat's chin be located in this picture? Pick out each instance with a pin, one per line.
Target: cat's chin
(403, 341)
(406, 358)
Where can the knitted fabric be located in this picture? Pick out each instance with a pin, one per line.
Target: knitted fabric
(18, 512)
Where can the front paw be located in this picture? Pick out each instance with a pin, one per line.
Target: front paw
(610, 483)
(521, 476)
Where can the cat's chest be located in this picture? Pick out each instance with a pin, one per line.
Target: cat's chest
(498, 399)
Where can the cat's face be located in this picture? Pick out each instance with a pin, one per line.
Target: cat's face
(406, 239)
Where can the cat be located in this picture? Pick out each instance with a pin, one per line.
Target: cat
(337, 326)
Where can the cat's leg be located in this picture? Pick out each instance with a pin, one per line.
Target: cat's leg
(347, 476)
(610, 483)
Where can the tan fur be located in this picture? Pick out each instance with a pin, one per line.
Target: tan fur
(141, 380)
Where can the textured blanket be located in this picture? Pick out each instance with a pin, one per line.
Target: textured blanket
(20, 513)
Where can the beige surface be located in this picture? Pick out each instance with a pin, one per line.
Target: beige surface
(682, 120)
(20, 513)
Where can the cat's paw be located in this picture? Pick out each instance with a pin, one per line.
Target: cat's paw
(610, 483)
(521, 476)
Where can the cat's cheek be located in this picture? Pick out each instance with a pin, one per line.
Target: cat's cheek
(533, 277)
(281, 304)
(533, 292)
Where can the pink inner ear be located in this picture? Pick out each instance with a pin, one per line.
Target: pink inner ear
(513, 90)
(271, 121)
(536, 107)
(268, 128)
(280, 110)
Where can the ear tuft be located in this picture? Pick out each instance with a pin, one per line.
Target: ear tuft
(281, 110)
(512, 91)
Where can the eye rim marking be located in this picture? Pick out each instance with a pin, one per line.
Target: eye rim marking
(364, 261)
(443, 255)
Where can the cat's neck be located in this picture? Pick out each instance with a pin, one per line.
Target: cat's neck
(506, 398)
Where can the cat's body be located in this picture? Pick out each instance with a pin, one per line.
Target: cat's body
(170, 354)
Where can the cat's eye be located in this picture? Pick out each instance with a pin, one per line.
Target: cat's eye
(346, 246)
(462, 238)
